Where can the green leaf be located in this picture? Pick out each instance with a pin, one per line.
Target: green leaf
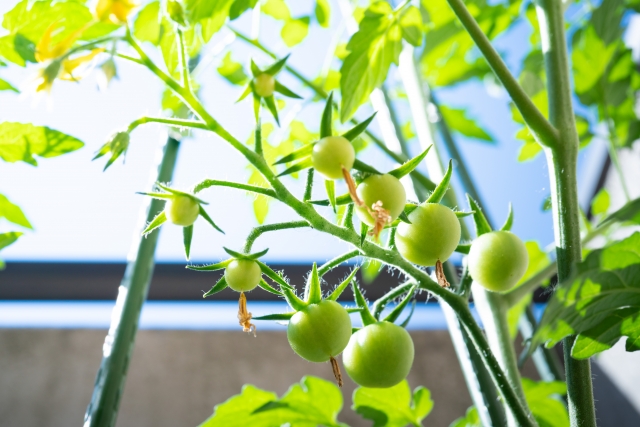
(326, 123)
(458, 120)
(480, 221)
(238, 7)
(238, 410)
(8, 238)
(411, 25)
(295, 31)
(198, 10)
(355, 131)
(330, 186)
(277, 9)
(160, 219)
(12, 213)
(23, 141)
(543, 399)
(220, 285)
(442, 187)
(601, 202)
(5, 85)
(410, 165)
(372, 50)
(594, 301)
(323, 13)
(590, 58)
(630, 212)
(232, 71)
(187, 234)
(146, 27)
(471, 419)
(394, 406)
(529, 150)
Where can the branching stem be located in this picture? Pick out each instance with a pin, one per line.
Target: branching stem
(261, 229)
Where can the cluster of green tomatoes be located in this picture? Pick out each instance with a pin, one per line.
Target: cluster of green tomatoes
(379, 354)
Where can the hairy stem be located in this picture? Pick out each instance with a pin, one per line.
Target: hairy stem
(260, 230)
(333, 263)
(179, 123)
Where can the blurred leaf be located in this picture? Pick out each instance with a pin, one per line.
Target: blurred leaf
(22, 141)
(277, 9)
(601, 202)
(198, 10)
(236, 411)
(543, 399)
(606, 20)
(601, 302)
(590, 57)
(630, 212)
(232, 71)
(323, 13)
(514, 314)
(146, 27)
(294, 31)
(372, 50)
(471, 419)
(5, 85)
(458, 120)
(12, 213)
(238, 7)
(394, 406)
(8, 238)
(411, 25)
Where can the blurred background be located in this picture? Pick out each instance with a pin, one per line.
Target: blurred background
(61, 279)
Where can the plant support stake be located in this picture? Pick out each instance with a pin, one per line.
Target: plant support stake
(118, 345)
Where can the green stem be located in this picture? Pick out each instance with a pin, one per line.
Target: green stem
(333, 263)
(308, 187)
(119, 343)
(547, 362)
(181, 123)
(184, 62)
(246, 187)
(260, 230)
(562, 162)
(545, 133)
(380, 304)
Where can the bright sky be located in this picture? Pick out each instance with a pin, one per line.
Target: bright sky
(81, 213)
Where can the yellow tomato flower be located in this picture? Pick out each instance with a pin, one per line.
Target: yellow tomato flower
(45, 50)
(115, 11)
(69, 66)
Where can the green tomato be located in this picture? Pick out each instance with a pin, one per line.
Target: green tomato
(384, 188)
(182, 210)
(243, 275)
(330, 154)
(434, 233)
(498, 260)
(264, 85)
(379, 355)
(319, 331)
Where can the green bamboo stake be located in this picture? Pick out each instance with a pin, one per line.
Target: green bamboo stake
(118, 345)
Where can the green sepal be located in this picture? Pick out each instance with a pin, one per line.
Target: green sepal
(364, 229)
(247, 91)
(301, 165)
(442, 187)
(354, 330)
(461, 214)
(480, 221)
(276, 316)
(211, 267)
(333, 296)
(296, 303)
(155, 223)
(207, 218)
(267, 271)
(509, 222)
(219, 286)
(267, 287)
(405, 322)
(280, 88)
(313, 291)
(463, 248)
(326, 123)
(304, 151)
(365, 314)
(345, 199)
(354, 310)
(404, 217)
(410, 165)
(397, 310)
(355, 131)
(187, 236)
(254, 256)
(180, 193)
(271, 105)
(111, 160)
(255, 71)
(102, 151)
(276, 67)
(361, 166)
(159, 196)
(330, 186)
(236, 255)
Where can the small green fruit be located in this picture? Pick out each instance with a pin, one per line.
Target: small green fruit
(384, 188)
(243, 275)
(330, 154)
(498, 260)
(264, 85)
(182, 210)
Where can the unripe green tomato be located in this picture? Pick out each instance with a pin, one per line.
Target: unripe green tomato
(379, 355)
(385, 188)
(498, 260)
(243, 275)
(330, 154)
(182, 210)
(264, 85)
(434, 233)
(319, 331)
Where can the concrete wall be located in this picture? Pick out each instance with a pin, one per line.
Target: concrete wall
(176, 377)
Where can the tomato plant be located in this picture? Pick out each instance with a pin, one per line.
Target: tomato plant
(436, 45)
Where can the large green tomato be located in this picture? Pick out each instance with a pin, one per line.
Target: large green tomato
(379, 355)
(498, 260)
(243, 275)
(384, 188)
(264, 85)
(319, 331)
(330, 154)
(434, 233)
(182, 210)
